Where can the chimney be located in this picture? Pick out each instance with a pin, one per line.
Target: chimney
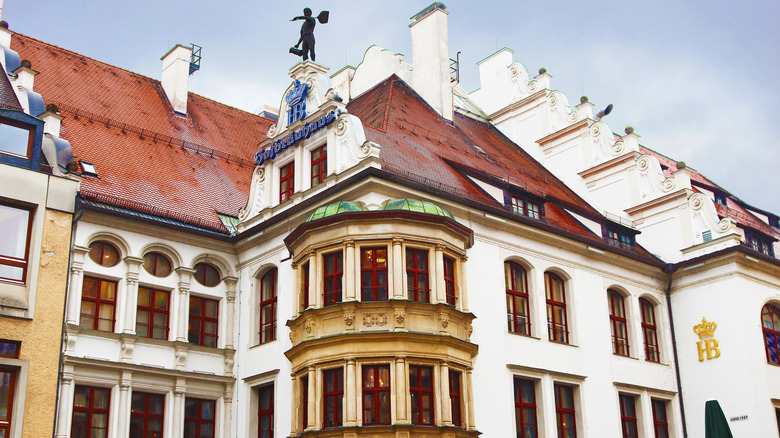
(5, 34)
(431, 58)
(176, 77)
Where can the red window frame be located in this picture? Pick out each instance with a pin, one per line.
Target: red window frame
(421, 395)
(97, 253)
(376, 393)
(525, 207)
(449, 280)
(618, 323)
(417, 275)
(525, 408)
(305, 288)
(564, 410)
(153, 326)
(203, 328)
(650, 331)
(194, 425)
(265, 411)
(268, 307)
(10, 349)
(286, 181)
(333, 398)
(660, 420)
(202, 271)
(517, 313)
(319, 164)
(8, 379)
(557, 326)
(15, 262)
(333, 278)
(153, 266)
(375, 289)
(148, 420)
(98, 302)
(90, 412)
(628, 422)
(770, 322)
(305, 401)
(455, 397)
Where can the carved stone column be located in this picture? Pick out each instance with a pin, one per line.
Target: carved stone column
(471, 424)
(314, 282)
(130, 301)
(397, 269)
(351, 394)
(76, 273)
(401, 409)
(350, 276)
(296, 414)
(446, 406)
(182, 304)
(227, 416)
(177, 426)
(125, 385)
(312, 407)
(436, 277)
(230, 310)
(460, 285)
(66, 402)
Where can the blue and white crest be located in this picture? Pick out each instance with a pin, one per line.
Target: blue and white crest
(296, 99)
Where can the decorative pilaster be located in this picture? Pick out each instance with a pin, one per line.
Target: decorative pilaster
(471, 424)
(63, 410)
(179, 389)
(401, 411)
(227, 416)
(437, 278)
(76, 277)
(130, 301)
(313, 281)
(351, 395)
(296, 414)
(446, 407)
(230, 311)
(312, 407)
(350, 265)
(460, 285)
(397, 269)
(183, 303)
(125, 386)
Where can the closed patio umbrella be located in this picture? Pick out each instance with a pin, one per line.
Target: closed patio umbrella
(715, 423)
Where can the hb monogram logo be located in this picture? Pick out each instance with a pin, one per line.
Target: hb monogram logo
(708, 344)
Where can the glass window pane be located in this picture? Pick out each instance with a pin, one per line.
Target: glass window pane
(13, 230)
(14, 139)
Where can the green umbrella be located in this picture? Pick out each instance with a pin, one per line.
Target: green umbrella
(715, 423)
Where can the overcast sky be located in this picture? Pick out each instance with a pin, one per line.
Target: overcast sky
(697, 80)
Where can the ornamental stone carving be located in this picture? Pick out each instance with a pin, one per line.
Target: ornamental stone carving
(309, 325)
(257, 199)
(349, 318)
(371, 319)
(445, 320)
(400, 316)
(469, 330)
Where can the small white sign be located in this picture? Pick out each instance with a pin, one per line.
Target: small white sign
(741, 417)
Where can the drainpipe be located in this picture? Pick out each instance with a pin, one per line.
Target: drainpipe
(669, 270)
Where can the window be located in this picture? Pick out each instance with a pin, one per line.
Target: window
(449, 280)
(157, 264)
(15, 229)
(526, 208)
(421, 390)
(286, 182)
(268, 307)
(617, 321)
(770, 320)
(7, 387)
(620, 240)
(10, 349)
(417, 275)
(103, 253)
(152, 316)
(564, 411)
(376, 394)
(660, 423)
(333, 393)
(90, 413)
(305, 401)
(15, 139)
(628, 416)
(204, 321)
(557, 326)
(147, 415)
(319, 164)
(373, 270)
(98, 304)
(207, 274)
(305, 291)
(650, 331)
(455, 397)
(759, 243)
(720, 198)
(517, 299)
(265, 412)
(199, 418)
(525, 408)
(334, 271)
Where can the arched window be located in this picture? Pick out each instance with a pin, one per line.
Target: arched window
(517, 315)
(268, 307)
(207, 274)
(617, 321)
(557, 323)
(157, 264)
(650, 331)
(770, 319)
(103, 253)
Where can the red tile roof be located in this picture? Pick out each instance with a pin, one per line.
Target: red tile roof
(8, 98)
(145, 154)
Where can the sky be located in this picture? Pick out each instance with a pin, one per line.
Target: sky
(697, 80)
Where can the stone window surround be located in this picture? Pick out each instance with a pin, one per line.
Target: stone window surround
(400, 398)
(21, 366)
(643, 398)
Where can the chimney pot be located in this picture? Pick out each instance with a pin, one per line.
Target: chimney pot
(176, 76)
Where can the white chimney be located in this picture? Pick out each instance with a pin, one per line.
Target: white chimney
(431, 58)
(176, 76)
(5, 35)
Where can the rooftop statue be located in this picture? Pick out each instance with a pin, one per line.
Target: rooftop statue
(307, 33)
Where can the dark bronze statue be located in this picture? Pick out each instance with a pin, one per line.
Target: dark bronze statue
(307, 34)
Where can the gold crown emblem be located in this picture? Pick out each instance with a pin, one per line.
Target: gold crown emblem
(705, 329)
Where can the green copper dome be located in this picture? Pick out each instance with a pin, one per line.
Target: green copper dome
(416, 206)
(338, 207)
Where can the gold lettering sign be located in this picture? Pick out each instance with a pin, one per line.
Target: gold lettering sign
(708, 345)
